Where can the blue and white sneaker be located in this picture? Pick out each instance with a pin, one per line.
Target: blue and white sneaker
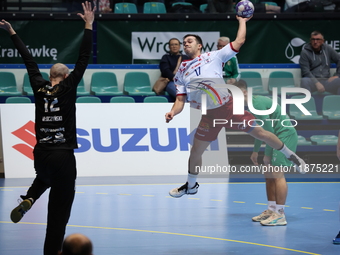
(178, 192)
(336, 240)
(275, 219)
(298, 162)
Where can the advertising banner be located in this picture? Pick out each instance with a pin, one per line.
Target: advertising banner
(135, 42)
(270, 41)
(47, 47)
(133, 141)
(153, 45)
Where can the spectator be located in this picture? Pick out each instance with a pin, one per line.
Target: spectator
(315, 62)
(76, 244)
(168, 66)
(230, 68)
(103, 6)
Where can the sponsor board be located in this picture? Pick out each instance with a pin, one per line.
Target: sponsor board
(112, 141)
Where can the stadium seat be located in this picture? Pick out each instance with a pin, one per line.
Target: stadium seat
(331, 107)
(125, 8)
(81, 91)
(27, 89)
(280, 79)
(18, 100)
(302, 141)
(88, 99)
(154, 7)
(182, 3)
(8, 85)
(155, 99)
(203, 8)
(324, 139)
(105, 84)
(295, 113)
(122, 99)
(254, 80)
(138, 84)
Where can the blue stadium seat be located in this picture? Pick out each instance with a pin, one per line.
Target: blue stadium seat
(296, 113)
(122, 99)
(331, 107)
(254, 80)
(105, 84)
(125, 8)
(280, 79)
(155, 99)
(8, 85)
(88, 99)
(18, 100)
(154, 7)
(138, 84)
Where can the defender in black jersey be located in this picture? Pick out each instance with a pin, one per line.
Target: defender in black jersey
(55, 127)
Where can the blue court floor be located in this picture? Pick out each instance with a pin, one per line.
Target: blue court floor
(135, 215)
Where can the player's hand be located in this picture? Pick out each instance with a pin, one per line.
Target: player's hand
(254, 157)
(169, 116)
(88, 15)
(267, 160)
(241, 18)
(7, 26)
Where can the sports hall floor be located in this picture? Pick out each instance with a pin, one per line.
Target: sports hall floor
(135, 215)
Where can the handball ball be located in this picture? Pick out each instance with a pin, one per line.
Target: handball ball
(244, 9)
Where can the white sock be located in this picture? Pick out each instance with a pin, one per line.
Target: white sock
(191, 180)
(280, 209)
(287, 152)
(272, 205)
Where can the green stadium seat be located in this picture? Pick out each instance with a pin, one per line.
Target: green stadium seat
(254, 80)
(122, 99)
(18, 100)
(331, 107)
(155, 99)
(303, 141)
(154, 7)
(203, 8)
(27, 89)
(182, 3)
(81, 91)
(138, 84)
(105, 84)
(324, 139)
(125, 8)
(8, 85)
(295, 113)
(280, 79)
(88, 99)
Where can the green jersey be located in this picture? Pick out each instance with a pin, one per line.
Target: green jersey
(275, 123)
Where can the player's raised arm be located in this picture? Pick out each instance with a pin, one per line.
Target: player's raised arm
(7, 26)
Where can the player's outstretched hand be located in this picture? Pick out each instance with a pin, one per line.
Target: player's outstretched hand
(7, 26)
(88, 15)
(169, 116)
(241, 18)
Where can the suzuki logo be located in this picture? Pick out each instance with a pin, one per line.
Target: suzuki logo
(27, 134)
